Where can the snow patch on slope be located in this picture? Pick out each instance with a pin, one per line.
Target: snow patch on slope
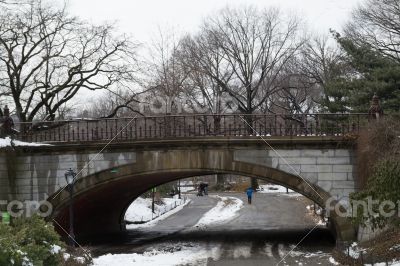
(225, 210)
(140, 211)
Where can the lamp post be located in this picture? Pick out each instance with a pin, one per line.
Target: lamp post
(153, 191)
(70, 178)
(179, 188)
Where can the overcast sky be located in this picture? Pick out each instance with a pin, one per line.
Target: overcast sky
(143, 18)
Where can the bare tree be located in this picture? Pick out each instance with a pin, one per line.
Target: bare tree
(241, 52)
(325, 66)
(47, 57)
(376, 24)
(207, 71)
(255, 46)
(166, 78)
(296, 96)
(9, 2)
(119, 103)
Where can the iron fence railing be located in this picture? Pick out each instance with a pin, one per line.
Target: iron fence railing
(184, 126)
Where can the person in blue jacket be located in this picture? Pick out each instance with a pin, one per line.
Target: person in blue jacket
(249, 193)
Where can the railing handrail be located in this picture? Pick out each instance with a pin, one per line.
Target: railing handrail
(186, 115)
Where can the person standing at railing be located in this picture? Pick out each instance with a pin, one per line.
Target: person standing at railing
(6, 124)
(375, 111)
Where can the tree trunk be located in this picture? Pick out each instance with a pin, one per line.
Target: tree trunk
(249, 124)
(220, 181)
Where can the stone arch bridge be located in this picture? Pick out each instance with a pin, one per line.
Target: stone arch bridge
(315, 157)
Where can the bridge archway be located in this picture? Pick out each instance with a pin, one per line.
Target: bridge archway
(101, 199)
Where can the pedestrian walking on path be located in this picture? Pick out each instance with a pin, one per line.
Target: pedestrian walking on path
(249, 193)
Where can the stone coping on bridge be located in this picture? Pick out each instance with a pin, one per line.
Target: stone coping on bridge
(217, 141)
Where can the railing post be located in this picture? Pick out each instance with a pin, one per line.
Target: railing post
(135, 126)
(145, 127)
(174, 126)
(165, 126)
(160, 129)
(106, 129)
(78, 131)
(337, 125)
(224, 123)
(184, 126)
(305, 117)
(194, 125)
(234, 124)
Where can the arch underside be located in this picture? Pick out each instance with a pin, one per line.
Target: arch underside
(101, 199)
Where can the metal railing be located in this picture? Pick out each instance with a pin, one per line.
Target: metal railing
(188, 126)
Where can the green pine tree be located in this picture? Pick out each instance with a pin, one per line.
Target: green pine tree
(372, 73)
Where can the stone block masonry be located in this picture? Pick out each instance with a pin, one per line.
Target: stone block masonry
(333, 170)
(38, 176)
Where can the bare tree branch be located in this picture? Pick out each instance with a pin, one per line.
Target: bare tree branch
(47, 57)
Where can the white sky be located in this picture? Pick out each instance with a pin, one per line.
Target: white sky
(142, 18)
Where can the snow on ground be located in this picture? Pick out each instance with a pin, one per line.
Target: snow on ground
(393, 263)
(187, 185)
(187, 189)
(187, 253)
(333, 261)
(140, 211)
(191, 255)
(355, 250)
(280, 190)
(273, 189)
(55, 249)
(6, 142)
(294, 194)
(225, 210)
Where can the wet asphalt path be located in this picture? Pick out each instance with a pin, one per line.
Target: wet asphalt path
(269, 212)
(260, 234)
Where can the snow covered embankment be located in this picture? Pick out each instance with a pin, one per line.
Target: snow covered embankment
(140, 211)
(189, 255)
(225, 209)
(7, 142)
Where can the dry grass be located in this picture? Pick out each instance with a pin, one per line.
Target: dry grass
(384, 248)
(240, 187)
(378, 141)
